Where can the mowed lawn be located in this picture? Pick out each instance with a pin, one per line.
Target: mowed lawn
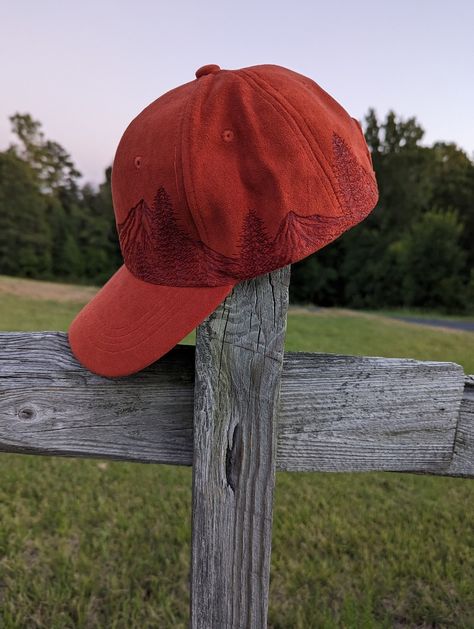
(88, 543)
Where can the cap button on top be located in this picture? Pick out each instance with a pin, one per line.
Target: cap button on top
(210, 68)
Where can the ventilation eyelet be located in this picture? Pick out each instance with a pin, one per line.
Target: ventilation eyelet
(138, 161)
(227, 135)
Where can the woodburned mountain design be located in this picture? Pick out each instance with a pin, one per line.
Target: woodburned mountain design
(158, 250)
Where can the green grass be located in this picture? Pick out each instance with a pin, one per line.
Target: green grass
(22, 314)
(372, 335)
(85, 543)
(322, 331)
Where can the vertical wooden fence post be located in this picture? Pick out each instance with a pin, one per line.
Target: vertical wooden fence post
(239, 357)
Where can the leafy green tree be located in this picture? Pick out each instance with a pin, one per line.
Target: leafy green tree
(106, 208)
(372, 132)
(400, 134)
(415, 248)
(316, 279)
(361, 267)
(51, 163)
(25, 235)
(93, 230)
(56, 179)
(470, 292)
(372, 268)
(432, 262)
(98, 233)
(368, 263)
(453, 187)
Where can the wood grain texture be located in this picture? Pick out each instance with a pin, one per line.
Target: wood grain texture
(239, 358)
(462, 463)
(50, 404)
(368, 413)
(338, 413)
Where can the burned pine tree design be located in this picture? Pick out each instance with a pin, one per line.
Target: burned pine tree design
(157, 250)
(357, 189)
(149, 240)
(173, 246)
(257, 252)
(357, 193)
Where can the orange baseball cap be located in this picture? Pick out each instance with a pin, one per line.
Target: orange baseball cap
(229, 176)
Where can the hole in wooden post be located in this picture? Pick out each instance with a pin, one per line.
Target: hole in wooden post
(233, 458)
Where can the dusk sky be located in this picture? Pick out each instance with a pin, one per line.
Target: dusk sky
(86, 69)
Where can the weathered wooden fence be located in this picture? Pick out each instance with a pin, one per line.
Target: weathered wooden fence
(237, 408)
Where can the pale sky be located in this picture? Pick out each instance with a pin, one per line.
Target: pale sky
(86, 69)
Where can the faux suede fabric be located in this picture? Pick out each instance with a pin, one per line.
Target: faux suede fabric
(129, 323)
(229, 176)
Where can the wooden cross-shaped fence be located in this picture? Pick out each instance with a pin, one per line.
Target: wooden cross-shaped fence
(237, 408)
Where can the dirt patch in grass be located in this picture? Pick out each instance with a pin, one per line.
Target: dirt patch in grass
(54, 291)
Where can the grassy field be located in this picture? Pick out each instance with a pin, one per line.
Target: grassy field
(86, 543)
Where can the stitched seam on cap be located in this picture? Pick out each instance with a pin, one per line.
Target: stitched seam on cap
(281, 100)
(302, 135)
(186, 125)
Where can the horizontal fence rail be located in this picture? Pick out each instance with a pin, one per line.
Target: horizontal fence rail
(337, 413)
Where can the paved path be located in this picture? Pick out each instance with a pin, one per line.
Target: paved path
(467, 326)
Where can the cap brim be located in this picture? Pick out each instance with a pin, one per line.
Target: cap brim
(130, 324)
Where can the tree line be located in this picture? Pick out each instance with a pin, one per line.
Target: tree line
(415, 249)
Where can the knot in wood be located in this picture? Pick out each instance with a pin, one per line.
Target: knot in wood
(27, 413)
